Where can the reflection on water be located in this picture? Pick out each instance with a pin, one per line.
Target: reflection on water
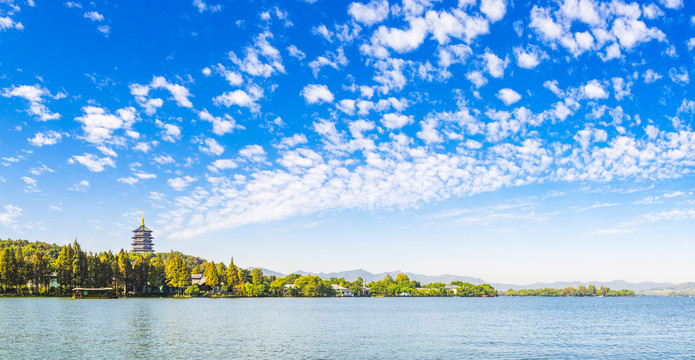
(383, 328)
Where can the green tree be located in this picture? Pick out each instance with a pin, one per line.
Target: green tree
(211, 277)
(5, 268)
(401, 278)
(157, 272)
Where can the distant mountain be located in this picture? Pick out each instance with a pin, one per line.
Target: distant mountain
(614, 285)
(683, 289)
(352, 275)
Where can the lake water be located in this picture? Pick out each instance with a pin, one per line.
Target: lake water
(344, 328)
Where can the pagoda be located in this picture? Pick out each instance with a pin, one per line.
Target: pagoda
(142, 239)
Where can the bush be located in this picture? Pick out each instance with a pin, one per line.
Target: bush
(192, 290)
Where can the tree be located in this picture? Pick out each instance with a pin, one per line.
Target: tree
(5, 268)
(211, 277)
(178, 274)
(157, 272)
(63, 267)
(400, 278)
(125, 270)
(19, 273)
(79, 265)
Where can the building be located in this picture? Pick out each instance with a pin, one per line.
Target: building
(198, 279)
(342, 291)
(142, 239)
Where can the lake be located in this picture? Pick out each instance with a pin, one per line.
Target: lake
(344, 328)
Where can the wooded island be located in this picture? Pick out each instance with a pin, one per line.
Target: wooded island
(38, 268)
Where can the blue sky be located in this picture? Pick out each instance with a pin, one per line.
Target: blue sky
(511, 141)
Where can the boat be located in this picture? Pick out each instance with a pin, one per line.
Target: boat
(94, 293)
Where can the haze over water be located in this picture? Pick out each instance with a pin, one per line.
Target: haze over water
(342, 328)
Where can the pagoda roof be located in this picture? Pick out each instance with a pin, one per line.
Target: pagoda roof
(142, 226)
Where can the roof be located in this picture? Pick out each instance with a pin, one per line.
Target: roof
(340, 288)
(198, 279)
(142, 226)
(92, 289)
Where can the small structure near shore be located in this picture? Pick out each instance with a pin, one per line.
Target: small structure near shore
(94, 293)
(342, 291)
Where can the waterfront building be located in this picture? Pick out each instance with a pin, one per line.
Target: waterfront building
(342, 291)
(142, 239)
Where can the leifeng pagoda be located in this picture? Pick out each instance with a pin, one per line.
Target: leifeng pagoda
(142, 239)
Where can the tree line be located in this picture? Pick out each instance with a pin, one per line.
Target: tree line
(582, 290)
(38, 268)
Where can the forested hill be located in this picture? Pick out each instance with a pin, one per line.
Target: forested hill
(29, 248)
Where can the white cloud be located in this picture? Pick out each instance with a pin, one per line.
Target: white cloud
(32, 186)
(674, 194)
(494, 65)
(402, 41)
(99, 125)
(369, 14)
(8, 218)
(211, 147)
(508, 96)
(46, 138)
(317, 94)
(222, 164)
(253, 153)
(94, 16)
(294, 140)
(34, 94)
(477, 78)
(81, 186)
(170, 132)
(672, 4)
(40, 170)
(203, 7)
(232, 77)
(544, 24)
(680, 76)
(594, 90)
(261, 59)
(453, 54)
(528, 59)
(651, 76)
(582, 10)
(652, 11)
(612, 52)
(493, 9)
(295, 52)
(179, 93)
(240, 98)
(163, 159)
(92, 162)
(334, 60)
(6, 23)
(631, 32)
(220, 126)
(128, 180)
(181, 183)
(394, 121)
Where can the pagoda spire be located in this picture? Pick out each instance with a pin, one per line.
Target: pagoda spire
(143, 221)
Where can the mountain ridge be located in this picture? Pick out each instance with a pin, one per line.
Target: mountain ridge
(352, 275)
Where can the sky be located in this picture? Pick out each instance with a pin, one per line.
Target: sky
(508, 140)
